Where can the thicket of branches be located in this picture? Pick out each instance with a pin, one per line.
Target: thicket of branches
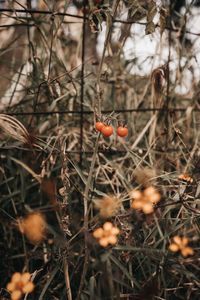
(66, 65)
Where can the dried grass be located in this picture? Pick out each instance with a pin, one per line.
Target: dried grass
(68, 166)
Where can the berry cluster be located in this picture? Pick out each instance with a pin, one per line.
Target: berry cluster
(107, 130)
(33, 226)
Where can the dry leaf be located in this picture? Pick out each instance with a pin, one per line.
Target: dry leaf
(162, 21)
(152, 9)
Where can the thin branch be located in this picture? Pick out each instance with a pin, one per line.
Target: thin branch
(44, 12)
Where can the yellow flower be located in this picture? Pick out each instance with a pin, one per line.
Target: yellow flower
(181, 244)
(145, 200)
(107, 234)
(20, 284)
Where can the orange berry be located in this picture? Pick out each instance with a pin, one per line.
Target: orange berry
(122, 131)
(99, 126)
(107, 130)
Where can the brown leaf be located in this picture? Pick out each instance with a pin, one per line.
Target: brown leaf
(152, 9)
(162, 21)
(137, 9)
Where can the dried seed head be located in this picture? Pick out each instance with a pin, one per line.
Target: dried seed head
(15, 129)
(33, 227)
(145, 176)
(108, 206)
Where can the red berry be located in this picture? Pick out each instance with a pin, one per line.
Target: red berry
(99, 126)
(107, 130)
(122, 131)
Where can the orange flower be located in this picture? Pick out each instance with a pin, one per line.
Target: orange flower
(33, 227)
(180, 244)
(20, 284)
(106, 235)
(145, 200)
(186, 178)
(108, 206)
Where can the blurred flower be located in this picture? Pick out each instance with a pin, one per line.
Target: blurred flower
(20, 284)
(180, 244)
(108, 206)
(33, 227)
(186, 177)
(107, 234)
(145, 200)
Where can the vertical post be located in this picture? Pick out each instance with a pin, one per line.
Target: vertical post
(168, 75)
(82, 81)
